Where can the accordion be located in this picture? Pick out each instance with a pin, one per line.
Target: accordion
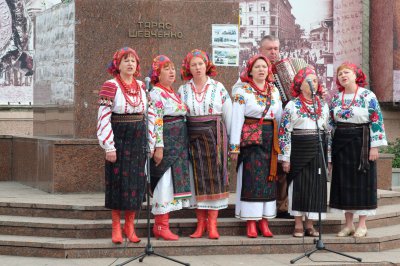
(286, 69)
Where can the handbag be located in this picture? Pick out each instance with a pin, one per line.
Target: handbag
(252, 132)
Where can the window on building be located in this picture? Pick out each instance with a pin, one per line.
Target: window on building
(263, 7)
(273, 33)
(251, 34)
(273, 21)
(263, 33)
(262, 22)
(251, 21)
(250, 8)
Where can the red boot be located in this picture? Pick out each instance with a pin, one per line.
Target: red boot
(252, 229)
(161, 228)
(129, 228)
(212, 224)
(263, 224)
(116, 227)
(201, 223)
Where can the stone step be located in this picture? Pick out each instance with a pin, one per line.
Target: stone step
(20, 200)
(378, 239)
(101, 228)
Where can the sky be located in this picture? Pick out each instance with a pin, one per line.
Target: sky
(311, 11)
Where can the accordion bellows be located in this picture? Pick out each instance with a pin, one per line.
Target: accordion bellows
(286, 69)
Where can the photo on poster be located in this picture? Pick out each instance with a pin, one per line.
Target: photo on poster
(225, 35)
(305, 31)
(225, 56)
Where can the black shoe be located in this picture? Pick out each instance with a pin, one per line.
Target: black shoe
(284, 215)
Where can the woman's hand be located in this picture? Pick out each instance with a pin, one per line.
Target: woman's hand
(286, 167)
(158, 155)
(111, 156)
(373, 154)
(234, 156)
(329, 168)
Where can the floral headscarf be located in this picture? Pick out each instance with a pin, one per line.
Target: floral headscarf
(156, 66)
(361, 78)
(245, 75)
(211, 70)
(113, 66)
(299, 78)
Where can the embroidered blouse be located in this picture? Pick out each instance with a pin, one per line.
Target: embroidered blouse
(248, 102)
(214, 101)
(164, 104)
(296, 117)
(112, 100)
(364, 109)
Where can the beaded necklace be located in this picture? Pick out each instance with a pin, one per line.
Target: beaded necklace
(352, 101)
(170, 92)
(266, 91)
(132, 90)
(201, 93)
(312, 115)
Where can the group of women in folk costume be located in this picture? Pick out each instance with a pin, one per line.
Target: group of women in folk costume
(189, 133)
(188, 138)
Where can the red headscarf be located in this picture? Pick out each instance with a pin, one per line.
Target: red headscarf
(361, 78)
(113, 66)
(156, 66)
(211, 70)
(299, 78)
(245, 75)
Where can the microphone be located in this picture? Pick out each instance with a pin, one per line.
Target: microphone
(147, 82)
(310, 84)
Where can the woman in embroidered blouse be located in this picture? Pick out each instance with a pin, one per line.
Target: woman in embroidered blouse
(358, 132)
(209, 119)
(298, 140)
(256, 102)
(121, 131)
(170, 177)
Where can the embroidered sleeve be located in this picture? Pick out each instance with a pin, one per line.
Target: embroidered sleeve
(226, 108)
(107, 93)
(277, 103)
(105, 134)
(238, 112)
(158, 105)
(285, 133)
(377, 129)
(327, 128)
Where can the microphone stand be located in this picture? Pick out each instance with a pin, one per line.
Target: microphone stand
(149, 250)
(319, 244)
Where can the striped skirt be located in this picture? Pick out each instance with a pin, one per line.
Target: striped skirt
(309, 190)
(208, 149)
(175, 156)
(125, 179)
(354, 184)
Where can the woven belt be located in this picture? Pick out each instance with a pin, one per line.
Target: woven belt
(306, 132)
(126, 118)
(170, 119)
(252, 120)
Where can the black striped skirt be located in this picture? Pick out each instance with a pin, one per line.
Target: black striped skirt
(208, 149)
(354, 184)
(309, 189)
